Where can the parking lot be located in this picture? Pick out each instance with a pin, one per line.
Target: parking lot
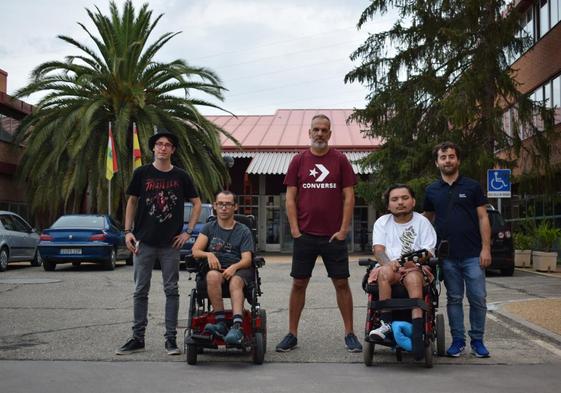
(85, 313)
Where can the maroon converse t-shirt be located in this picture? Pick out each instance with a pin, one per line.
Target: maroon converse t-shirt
(320, 182)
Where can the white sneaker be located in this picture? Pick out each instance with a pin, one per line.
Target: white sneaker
(380, 332)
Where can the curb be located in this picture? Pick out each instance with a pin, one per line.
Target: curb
(538, 330)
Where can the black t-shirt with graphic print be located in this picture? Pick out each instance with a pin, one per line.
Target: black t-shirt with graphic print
(228, 244)
(159, 213)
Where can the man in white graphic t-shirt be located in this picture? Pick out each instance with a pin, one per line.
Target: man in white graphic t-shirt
(395, 234)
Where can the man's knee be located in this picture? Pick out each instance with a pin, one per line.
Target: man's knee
(300, 284)
(214, 279)
(386, 274)
(236, 283)
(341, 284)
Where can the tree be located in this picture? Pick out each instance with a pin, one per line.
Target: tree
(118, 81)
(442, 73)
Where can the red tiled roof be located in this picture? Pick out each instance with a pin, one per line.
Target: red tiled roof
(287, 130)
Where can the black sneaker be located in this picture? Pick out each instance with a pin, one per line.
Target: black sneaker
(131, 346)
(288, 343)
(171, 347)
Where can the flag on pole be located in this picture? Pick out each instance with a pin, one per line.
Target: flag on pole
(136, 154)
(111, 167)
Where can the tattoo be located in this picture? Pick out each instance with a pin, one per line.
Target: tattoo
(381, 257)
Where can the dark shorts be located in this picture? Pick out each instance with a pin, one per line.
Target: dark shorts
(308, 247)
(247, 275)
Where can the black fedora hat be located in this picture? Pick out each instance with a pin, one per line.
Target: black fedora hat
(160, 133)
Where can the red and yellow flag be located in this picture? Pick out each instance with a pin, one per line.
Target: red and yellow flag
(136, 154)
(111, 167)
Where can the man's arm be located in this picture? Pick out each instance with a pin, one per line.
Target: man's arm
(292, 211)
(130, 211)
(485, 231)
(199, 252)
(244, 263)
(348, 206)
(382, 257)
(183, 237)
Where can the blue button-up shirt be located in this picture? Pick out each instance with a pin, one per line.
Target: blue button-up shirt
(455, 207)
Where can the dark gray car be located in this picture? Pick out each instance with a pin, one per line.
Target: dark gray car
(18, 241)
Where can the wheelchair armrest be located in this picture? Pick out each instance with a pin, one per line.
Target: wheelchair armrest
(258, 261)
(192, 265)
(366, 262)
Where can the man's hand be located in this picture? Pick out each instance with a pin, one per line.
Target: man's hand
(485, 258)
(130, 242)
(180, 240)
(394, 265)
(213, 262)
(230, 272)
(296, 234)
(339, 236)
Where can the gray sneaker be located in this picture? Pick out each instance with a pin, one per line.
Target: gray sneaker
(288, 343)
(217, 329)
(171, 347)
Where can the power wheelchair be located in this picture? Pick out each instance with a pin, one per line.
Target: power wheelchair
(199, 310)
(401, 305)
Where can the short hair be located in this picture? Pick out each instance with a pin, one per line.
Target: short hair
(396, 186)
(226, 192)
(445, 146)
(321, 116)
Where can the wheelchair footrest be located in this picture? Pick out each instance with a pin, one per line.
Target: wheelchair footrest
(199, 338)
(398, 304)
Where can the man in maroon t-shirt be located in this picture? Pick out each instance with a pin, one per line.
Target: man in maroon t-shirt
(319, 205)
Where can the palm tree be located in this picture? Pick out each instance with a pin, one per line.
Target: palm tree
(120, 82)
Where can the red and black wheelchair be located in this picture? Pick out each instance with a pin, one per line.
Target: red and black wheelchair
(199, 311)
(401, 305)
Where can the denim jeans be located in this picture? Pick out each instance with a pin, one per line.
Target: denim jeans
(143, 263)
(456, 273)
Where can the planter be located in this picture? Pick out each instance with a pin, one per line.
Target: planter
(522, 258)
(544, 261)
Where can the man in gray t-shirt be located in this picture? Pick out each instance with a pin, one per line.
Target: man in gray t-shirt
(227, 245)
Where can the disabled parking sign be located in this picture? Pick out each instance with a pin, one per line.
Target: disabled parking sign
(498, 183)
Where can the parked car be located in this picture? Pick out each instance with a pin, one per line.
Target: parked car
(502, 248)
(81, 238)
(18, 241)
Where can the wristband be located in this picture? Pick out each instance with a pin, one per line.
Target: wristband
(127, 231)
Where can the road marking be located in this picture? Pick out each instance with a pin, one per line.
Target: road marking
(541, 343)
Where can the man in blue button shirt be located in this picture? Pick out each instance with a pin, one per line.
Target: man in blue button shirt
(457, 206)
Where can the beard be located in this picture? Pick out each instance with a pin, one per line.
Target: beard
(449, 170)
(316, 144)
(402, 213)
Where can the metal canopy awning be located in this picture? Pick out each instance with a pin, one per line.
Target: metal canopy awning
(276, 163)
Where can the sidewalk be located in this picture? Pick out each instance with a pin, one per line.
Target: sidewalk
(540, 315)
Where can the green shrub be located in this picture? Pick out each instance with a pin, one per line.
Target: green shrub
(546, 236)
(522, 241)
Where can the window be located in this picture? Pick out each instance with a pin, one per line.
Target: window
(544, 17)
(556, 98)
(547, 95)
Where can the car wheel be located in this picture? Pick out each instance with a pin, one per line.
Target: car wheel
(129, 260)
(76, 264)
(37, 260)
(49, 266)
(509, 271)
(112, 261)
(3, 259)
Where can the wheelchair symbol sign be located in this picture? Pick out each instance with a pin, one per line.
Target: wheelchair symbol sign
(498, 183)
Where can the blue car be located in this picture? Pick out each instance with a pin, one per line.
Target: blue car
(206, 212)
(81, 238)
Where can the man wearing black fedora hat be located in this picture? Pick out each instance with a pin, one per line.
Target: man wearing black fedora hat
(154, 231)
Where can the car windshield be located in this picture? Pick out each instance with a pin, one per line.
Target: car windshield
(497, 221)
(202, 218)
(92, 222)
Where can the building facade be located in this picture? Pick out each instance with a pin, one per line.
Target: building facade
(268, 144)
(538, 73)
(12, 111)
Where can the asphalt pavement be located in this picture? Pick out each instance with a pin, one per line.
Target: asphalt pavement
(78, 316)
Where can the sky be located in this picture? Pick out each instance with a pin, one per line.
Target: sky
(269, 54)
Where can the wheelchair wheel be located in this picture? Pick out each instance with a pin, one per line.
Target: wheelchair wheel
(368, 353)
(440, 340)
(429, 351)
(258, 348)
(191, 353)
(263, 317)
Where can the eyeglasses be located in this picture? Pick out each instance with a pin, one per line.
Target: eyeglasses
(224, 205)
(161, 145)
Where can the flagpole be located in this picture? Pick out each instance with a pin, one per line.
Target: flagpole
(109, 191)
